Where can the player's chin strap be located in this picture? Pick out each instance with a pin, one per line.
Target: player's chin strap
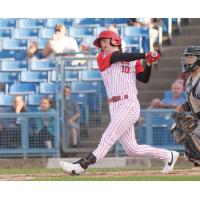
(86, 161)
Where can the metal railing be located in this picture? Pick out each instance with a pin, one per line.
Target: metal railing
(153, 128)
(21, 136)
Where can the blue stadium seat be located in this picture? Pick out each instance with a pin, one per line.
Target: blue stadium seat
(7, 23)
(69, 65)
(31, 23)
(167, 28)
(17, 55)
(25, 33)
(116, 21)
(84, 114)
(131, 31)
(33, 108)
(47, 88)
(94, 64)
(90, 75)
(8, 65)
(41, 65)
(91, 22)
(70, 76)
(5, 33)
(47, 33)
(98, 30)
(165, 25)
(34, 99)
(6, 100)
(79, 40)
(133, 44)
(94, 92)
(5, 54)
(13, 44)
(8, 77)
(176, 25)
(30, 76)
(81, 31)
(51, 23)
(85, 87)
(22, 88)
(41, 42)
(82, 100)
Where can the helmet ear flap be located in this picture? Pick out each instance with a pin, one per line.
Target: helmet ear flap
(116, 41)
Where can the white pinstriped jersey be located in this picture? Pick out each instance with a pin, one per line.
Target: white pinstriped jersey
(119, 78)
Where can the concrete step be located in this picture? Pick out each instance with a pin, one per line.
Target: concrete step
(194, 21)
(186, 40)
(165, 73)
(173, 51)
(147, 96)
(155, 84)
(190, 30)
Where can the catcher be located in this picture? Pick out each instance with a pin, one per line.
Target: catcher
(186, 130)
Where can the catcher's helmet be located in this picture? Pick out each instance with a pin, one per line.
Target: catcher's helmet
(194, 53)
(115, 38)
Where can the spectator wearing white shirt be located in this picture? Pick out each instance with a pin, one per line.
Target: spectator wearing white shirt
(60, 43)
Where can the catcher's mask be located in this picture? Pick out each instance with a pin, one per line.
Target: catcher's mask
(115, 38)
(191, 59)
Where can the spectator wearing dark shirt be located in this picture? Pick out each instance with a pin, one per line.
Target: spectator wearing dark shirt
(43, 136)
(72, 114)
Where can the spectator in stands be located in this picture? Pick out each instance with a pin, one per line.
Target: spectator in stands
(60, 43)
(2, 88)
(153, 25)
(44, 135)
(33, 51)
(72, 114)
(10, 135)
(173, 101)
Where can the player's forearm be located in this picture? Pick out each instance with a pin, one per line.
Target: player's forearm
(126, 57)
(145, 75)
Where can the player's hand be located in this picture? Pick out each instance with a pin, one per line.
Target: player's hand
(152, 57)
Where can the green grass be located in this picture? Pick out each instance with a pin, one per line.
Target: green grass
(43, 174)
(140, 178)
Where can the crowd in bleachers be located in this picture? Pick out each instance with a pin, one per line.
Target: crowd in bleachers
(28, 67)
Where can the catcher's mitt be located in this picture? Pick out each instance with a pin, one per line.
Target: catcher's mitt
(186, 121)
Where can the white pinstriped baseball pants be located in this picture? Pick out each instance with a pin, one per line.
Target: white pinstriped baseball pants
(124, 114)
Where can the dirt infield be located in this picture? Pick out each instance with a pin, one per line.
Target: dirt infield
(24, 177)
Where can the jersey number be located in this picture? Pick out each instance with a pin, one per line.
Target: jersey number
(125, 69)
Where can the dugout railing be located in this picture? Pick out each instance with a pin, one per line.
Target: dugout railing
(87, 91)
(153, 128)
(23, 135)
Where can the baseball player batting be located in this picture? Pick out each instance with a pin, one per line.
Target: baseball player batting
(119, 72)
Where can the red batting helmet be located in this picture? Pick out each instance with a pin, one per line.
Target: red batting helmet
(115, 38)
